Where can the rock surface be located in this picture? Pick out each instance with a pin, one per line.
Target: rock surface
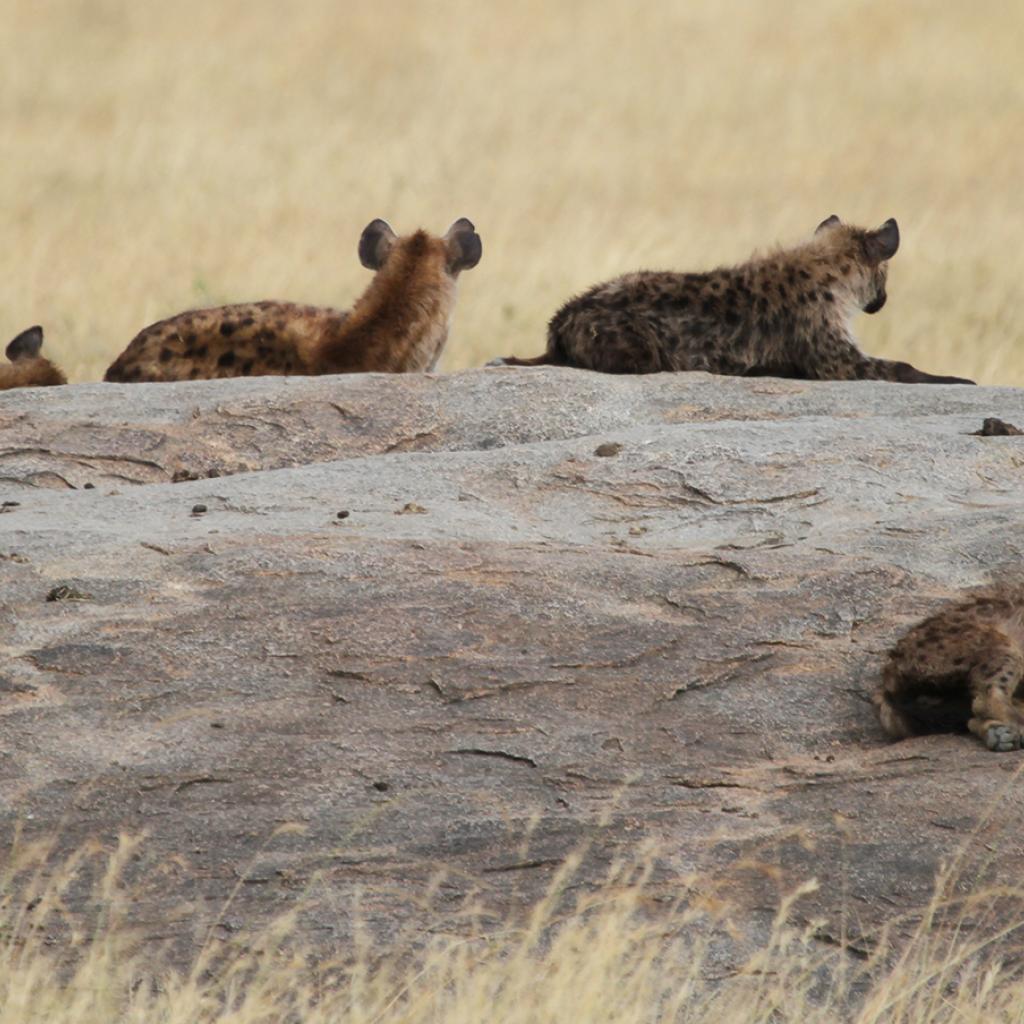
(510, 647)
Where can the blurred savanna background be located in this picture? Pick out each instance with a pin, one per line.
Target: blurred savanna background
(159, 156)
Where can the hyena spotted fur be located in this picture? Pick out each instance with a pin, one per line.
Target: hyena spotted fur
(398, 325)
(28, 368)
(786, 314)
(960, 668)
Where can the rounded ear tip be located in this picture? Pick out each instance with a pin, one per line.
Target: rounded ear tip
(459, 226)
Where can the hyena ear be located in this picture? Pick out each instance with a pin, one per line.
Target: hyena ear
(828, 222)
(26, 345)
(882, 244)
(375, 243)
(464, 245)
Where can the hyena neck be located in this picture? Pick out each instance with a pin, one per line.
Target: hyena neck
(400, 322)
(808, 277)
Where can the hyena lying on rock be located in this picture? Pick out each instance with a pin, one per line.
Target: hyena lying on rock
(960, 668)
(398, 325)
(28, 368)
(786, 314)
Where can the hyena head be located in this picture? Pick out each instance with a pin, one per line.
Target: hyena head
(457, 250)
(863, 257)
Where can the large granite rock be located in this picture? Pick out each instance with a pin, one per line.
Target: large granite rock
(563, 609)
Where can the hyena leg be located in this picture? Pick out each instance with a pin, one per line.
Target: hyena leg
(870, 368)
(886, 700)
(618, 342)
(996, 720)
(834, 356)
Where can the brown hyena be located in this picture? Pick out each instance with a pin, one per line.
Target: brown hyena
(28, 368)
(786, 314)
(960, 668)
(398, 325)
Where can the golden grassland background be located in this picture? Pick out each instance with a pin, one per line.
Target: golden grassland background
(159, 156)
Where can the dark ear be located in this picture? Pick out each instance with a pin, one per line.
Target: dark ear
(828, 222)
(26, 345)
(464, 245)
(375, 243)
(882, 244)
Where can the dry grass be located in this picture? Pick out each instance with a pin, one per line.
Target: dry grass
(159, 156)
(601, 961)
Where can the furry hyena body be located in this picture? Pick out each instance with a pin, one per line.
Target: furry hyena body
(960, 668)
(28, 368)
(398, 325)
(786, 314)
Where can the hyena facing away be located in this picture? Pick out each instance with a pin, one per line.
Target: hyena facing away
(398, 325)
(28, 368)
(962, 667)
(786, 314)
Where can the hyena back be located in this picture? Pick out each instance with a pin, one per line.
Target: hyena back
(398, 325)
(960, 668)
(785, 314)
(28, 368)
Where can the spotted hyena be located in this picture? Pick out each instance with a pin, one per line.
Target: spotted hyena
(398, 325)
(28, 368)
(960, 668)
(786, 314)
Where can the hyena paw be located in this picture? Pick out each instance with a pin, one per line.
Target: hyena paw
(1001, 738)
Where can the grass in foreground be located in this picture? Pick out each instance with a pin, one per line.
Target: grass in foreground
(604, 960)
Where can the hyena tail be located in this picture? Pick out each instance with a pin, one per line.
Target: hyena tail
(904, 712)
(554, 356)
(547, 359)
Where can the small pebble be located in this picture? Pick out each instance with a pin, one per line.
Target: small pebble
(65, 593)
(9, 504)
(994, 427)
(381, 787)
(198, 510)
(344, 514)
(88, 487)
(608, 449)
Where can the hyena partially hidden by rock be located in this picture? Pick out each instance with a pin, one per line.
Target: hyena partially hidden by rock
(398, 325)
(960, 668)
(786, 314)
(28, 368)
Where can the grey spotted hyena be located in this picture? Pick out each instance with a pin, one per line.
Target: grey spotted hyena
(786, 314)
(960, 668)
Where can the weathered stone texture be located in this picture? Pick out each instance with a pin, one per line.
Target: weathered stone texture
(509, 639)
